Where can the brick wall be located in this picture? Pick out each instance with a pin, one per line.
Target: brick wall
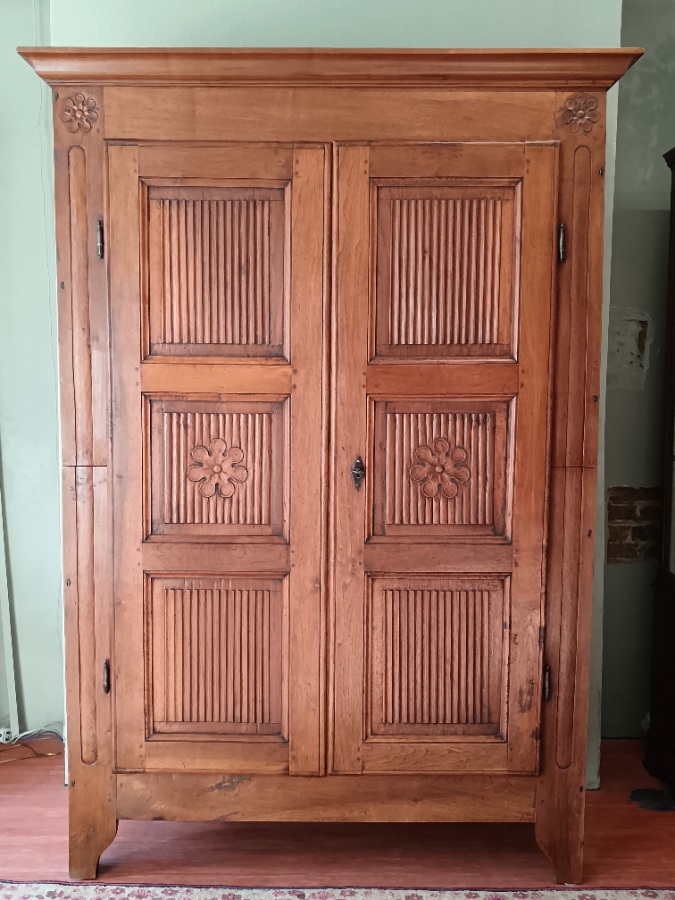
(633, 524)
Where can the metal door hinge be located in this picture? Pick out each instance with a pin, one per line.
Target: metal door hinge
(562, 243)
(106, 676)
(547, 684)
(100, 244)
(358, 472)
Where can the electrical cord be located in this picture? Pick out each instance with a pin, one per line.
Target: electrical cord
(36, 754)
(23, 745)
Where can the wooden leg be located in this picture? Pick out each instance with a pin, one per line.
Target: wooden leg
(85, 850)
(560, 799)
(559, 830)
(92, 803)
(92, 828)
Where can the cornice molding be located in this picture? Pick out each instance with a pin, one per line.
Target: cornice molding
(489, 69)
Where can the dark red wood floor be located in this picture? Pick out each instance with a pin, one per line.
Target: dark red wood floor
(625, 846)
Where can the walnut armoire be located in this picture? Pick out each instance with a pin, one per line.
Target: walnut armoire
(329, 341)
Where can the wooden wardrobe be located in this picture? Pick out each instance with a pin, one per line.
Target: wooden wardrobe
(330, 362)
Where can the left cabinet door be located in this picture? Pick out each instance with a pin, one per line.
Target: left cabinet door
(216, 262)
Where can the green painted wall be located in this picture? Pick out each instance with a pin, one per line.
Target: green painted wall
(29, 453)
(4, 699)
(639, 259)
(338, 23)
(378, 23)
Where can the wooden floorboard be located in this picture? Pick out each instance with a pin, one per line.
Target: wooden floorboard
(625, 846)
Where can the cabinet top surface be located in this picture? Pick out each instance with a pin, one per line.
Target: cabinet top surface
(531, 69)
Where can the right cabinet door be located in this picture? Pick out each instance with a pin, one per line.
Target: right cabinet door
(444, 259)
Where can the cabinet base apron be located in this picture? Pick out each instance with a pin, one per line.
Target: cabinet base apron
(340, 798)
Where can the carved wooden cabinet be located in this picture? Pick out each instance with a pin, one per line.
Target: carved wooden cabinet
(330, 334)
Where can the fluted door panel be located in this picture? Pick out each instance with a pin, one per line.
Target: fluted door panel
(216, 271)
(447, 269)
(217, 647)
(438, 654)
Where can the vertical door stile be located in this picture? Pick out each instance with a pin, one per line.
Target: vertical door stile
(306, 681)
(351, 259)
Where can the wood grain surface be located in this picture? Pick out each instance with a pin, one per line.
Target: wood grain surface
(501, 69)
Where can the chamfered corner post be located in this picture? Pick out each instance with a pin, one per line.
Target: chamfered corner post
(560, 799)
(79, 155)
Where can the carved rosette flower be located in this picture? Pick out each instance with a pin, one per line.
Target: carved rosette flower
(581, 113)
(79, 113)
(216, 469)
(440, 469)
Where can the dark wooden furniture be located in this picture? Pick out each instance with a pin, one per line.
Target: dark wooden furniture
(660, 754)
(330, 332)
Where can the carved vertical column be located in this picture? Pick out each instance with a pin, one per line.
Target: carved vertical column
(84, 368)
(580, 127)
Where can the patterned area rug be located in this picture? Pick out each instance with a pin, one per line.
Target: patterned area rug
(98, 891)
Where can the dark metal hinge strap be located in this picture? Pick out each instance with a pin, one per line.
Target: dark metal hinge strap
(100, 243)
(562, 243)
(547, 684)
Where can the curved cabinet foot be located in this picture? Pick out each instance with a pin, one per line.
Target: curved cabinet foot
(562, 840)
(92, 828)
(87, 844)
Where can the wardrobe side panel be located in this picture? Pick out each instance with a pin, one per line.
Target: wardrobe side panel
(580, 127)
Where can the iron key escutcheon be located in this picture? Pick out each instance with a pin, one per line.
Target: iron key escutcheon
(358, 473)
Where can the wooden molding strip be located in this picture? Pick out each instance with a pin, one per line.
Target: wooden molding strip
(494, 69)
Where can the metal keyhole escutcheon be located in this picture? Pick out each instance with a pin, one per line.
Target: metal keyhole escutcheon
(358, 473)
